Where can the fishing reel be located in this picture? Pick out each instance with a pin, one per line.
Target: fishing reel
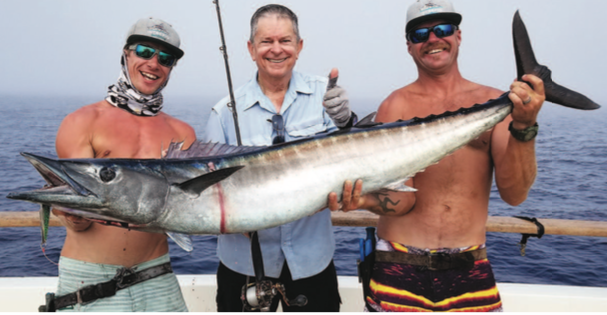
(258, 296)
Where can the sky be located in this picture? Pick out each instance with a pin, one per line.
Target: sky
(72, 47)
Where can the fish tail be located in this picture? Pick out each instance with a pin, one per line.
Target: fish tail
(527, 64)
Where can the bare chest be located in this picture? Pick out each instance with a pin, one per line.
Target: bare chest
(132, 137)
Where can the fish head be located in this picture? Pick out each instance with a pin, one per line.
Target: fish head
(133, 191)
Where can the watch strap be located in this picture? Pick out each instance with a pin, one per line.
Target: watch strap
(524, 135)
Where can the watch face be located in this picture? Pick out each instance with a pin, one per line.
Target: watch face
(524, 135)
(530, 134)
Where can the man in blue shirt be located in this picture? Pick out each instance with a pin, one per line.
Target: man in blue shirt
(279, 105)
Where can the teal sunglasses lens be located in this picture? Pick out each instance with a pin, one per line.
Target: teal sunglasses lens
(146, 52)
(166, 59)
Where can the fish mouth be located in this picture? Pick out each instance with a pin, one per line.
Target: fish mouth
(60, 186)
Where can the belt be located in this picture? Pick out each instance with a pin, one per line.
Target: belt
(124, 278)
(433, 261)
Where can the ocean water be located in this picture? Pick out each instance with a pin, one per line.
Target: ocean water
(571, 184)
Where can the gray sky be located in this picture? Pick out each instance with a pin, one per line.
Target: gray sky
(69, 47)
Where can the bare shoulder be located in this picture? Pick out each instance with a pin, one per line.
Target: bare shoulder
(76, 130)
(84, 115)
(482, 93)
(183, 129)
(395, 105)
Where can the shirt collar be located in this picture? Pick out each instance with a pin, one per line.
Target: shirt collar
(256, 96)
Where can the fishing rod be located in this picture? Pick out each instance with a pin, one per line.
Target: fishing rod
(224, 51)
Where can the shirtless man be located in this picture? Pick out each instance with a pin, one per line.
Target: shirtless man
(448, 213)
(127, 124)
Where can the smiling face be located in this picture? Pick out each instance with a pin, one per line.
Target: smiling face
(275, 48)
(147, 75)
(437, 55)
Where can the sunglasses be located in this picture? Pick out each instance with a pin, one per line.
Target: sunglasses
(421, 35)
(278, 124)
(147, 53)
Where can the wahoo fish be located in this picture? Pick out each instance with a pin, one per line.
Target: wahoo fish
(215, 188)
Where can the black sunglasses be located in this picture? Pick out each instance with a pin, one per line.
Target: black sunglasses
(278, 124)
(421, 35)
(147, 53)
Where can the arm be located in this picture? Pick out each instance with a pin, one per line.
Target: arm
(186, 133)
(214, 129)
(515, 162)
(383, 202)
(74, 141)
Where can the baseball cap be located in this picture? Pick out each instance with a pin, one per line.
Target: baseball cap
(156, 31)
(425, 10)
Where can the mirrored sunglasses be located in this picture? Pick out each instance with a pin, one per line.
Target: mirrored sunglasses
(421, 35)
(147, 53)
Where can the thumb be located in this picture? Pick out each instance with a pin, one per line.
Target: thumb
(333, 78)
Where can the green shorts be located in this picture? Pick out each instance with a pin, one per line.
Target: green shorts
(160, 294)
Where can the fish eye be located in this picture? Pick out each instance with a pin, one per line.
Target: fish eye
(107, 174)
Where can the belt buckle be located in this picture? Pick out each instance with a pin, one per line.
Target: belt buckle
(119, 277)
(437, 260)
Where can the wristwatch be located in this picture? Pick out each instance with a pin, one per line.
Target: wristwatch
(524, 135)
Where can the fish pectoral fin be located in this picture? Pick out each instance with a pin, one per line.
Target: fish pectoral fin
(400, 186)
(198, 184)
(183, 240)
(368, 121)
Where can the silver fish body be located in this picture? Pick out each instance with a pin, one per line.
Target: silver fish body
(269, 186)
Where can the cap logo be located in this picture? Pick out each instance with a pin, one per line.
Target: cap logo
(159, 31)
(430, 8)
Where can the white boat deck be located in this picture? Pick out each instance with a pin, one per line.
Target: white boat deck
(25, 294)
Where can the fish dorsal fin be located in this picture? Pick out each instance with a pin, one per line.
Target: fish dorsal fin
(200, 149)
(368, 121)
(199, 184)
(182, 240)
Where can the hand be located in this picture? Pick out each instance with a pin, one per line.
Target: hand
(336, 101)
(73, 222)
(350, 199)
(527, 101)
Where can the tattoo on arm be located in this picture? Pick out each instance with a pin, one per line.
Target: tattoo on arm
(384, 201)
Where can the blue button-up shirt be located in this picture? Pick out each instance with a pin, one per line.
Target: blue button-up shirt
(307, 244)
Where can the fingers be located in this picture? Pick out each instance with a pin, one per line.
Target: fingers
(346, 197)
(333, 204)
(358, 187)
(333, 78)
(527, 98)
(536, 83)
(350, 199)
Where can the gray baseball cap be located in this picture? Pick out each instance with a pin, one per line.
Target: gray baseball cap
(426, 10)
(156, 31)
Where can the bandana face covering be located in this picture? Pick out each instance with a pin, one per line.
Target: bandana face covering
(124, 95)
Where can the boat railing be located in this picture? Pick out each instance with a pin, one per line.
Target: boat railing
(365, 218)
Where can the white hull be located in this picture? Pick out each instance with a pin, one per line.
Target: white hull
(25, 294)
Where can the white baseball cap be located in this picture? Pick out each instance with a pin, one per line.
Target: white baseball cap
(425, 10)
(157, 31)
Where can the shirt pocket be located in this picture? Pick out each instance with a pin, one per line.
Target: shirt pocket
(306, 128)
